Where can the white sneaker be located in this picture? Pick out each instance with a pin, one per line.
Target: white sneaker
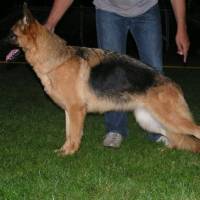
(112, 139)
(163, 139)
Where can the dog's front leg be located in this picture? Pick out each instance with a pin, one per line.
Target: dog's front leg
(75, 117)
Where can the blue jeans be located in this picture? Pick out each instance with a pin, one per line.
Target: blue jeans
(112, 30)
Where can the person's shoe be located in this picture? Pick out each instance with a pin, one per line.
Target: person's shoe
(112, 139)
(163, 139)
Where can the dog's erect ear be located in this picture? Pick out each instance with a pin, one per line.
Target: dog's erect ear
(28, 18)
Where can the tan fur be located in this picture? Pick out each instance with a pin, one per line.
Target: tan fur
(65, 76)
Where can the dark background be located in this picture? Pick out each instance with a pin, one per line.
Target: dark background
(78, 24)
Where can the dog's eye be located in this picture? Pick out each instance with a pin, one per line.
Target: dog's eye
(12, 34)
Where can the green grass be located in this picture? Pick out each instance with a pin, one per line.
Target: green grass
(32, 127)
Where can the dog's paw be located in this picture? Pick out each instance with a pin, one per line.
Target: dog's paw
(161, 149)
(62, 152)
(68, 148)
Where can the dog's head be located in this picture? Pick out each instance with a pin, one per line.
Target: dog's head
(20, 34)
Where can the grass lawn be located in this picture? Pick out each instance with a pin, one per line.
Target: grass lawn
(32, 127)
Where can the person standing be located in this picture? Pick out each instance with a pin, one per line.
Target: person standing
(114, 18)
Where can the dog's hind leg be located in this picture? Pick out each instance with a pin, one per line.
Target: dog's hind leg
(172, 112)
(75, 117)
(147, 121)
(180, 141)
(171, 117)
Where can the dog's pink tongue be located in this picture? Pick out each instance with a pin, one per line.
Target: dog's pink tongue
(9, 56)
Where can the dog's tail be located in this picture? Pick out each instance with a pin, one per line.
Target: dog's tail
(184, 142)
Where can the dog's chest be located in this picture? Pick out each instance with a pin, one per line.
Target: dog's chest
(49, 88)
(46, 82)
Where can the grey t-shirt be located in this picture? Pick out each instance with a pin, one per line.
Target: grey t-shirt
(126, 8)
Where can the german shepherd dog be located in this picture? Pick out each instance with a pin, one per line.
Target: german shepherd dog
(82, 80)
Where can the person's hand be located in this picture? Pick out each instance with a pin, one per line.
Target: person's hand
(183, 43)
(49, 26)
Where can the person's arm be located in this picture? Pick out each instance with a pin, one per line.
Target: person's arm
(57, 11)
(182, 39)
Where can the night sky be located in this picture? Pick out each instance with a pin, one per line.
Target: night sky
(193, 10)
(8, 6)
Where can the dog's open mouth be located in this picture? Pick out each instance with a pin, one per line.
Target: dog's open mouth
(13, 55)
